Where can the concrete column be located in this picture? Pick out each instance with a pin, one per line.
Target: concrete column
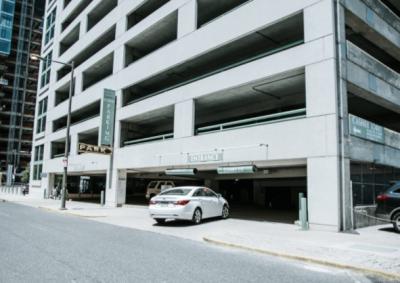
(323, 192)
(119, 59)
(321, 88)
(187, 18)
(184, 119)
(319, 20)
(74, 144)
(78, 76)
(83, 27)
(116, 191)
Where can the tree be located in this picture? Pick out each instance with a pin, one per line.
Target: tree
(25, 174)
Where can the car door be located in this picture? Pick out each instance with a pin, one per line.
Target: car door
(215, 208)
(204, 202)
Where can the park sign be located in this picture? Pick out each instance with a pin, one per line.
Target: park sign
(107, 117)
(90, 148)
(366, 130)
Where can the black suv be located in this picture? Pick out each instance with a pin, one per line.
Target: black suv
(389, 205)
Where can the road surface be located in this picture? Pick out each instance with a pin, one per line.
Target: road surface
(42, 246)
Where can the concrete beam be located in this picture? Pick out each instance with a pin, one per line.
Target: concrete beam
(373, 26)
(366, 151)
(372, 88)
(372, 65)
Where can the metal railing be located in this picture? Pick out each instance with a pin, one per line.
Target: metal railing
(150, 139)
(266, 119)
(16, 189)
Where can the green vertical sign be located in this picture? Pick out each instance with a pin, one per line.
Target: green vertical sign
(107, 117)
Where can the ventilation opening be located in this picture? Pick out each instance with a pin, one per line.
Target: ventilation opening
(58, 148)
(372, 49)
(75, 13)
(100, 11)
(89, 137)
(144, 10)
(360, 34)
(262, 43)
(152, 126)
(62, 94)
(208, 10)
(69, 40)
(276, 98)
(372, 111)
(98, 71)
(158, 35)
(92, 49)
(88, 112)
(393, 5)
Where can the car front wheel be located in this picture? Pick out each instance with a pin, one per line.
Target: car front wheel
(396, 222)
(225, 212)
(197, 216)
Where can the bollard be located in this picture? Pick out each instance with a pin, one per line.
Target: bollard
(45, 194)
(301, 195)
(102, 197)
(303, 219)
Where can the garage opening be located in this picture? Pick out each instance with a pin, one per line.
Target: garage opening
(273, 99)
(261, 43)
(267, 195)
(152, 126)
(150, 184)
(86, 188)
(273, 200)
(371, 111)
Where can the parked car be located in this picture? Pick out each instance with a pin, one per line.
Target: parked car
(188, 203)
(388, 205)
(155, 187)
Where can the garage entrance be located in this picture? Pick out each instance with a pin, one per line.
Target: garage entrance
(137, 185)
(86, 188)
(274, 200)
(264, 195)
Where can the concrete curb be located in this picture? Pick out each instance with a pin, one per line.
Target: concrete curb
(388, 275)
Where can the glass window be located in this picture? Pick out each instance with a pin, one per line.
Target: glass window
(41, 117)
(38, 162)
(199, 193)
(50, 25)
(209, 193)
(46, 68)
(177, 192)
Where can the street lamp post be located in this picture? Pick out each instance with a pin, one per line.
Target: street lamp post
(65, 160)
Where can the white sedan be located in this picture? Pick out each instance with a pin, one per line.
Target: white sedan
(188, 203)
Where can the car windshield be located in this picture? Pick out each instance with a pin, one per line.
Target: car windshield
(152, 184)
(176, 192)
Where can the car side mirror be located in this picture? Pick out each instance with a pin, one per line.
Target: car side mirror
(219, 196)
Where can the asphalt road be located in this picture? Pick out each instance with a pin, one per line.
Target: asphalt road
(41, 246)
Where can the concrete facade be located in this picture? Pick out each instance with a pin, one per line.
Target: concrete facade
(301, 71)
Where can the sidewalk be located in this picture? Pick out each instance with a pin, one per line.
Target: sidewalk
(375, 249)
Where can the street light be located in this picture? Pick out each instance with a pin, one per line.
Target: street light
(36, 57)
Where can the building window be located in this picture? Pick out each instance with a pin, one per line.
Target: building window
(6, 24)
(45, 78)
(38, 162)
(41, 117)
(370, 180)
(50, 24)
